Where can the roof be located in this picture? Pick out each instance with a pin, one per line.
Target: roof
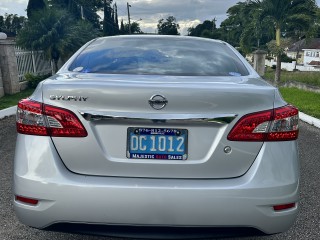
(314, 63)
(313, 43)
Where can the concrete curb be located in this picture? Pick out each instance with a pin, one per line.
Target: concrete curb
(308, 119)
(8, 112)
(304, 117)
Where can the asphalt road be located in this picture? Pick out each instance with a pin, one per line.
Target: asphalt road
(306, 227)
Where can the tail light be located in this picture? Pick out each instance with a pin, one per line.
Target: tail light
(34, 118)
(280, 124)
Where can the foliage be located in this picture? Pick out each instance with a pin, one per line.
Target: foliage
(34, 6)
(168, 26)
(207, 29)
(135, 28)
(89, 9)
(252, 24)
(11, 24)
(282, 14)
(55, 32)
(275, 49)
(110, 20)
(122, 31)
(286, 59)
(34, 80)
(307, 102)
(243, 29)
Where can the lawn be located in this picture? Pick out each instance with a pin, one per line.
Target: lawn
(310, 78)
(307, 102)
(11, 100)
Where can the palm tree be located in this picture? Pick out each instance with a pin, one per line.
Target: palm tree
(55, 32)
(281, 13)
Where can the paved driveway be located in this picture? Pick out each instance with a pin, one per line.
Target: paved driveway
(306, 227)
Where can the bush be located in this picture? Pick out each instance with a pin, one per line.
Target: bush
(33, 80)
(269, 57)
(285, 58)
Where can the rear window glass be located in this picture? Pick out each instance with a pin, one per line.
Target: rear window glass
(159, 56)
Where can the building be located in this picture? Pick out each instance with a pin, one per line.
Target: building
(308, 51)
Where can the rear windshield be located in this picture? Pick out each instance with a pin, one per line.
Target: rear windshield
(159, 56)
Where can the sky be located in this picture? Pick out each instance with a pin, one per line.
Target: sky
(188, 13)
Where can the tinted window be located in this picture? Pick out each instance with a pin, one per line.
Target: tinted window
(159, 56)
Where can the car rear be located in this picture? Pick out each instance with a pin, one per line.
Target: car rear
(120, 144)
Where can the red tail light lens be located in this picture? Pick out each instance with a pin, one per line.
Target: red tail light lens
(34, 118)
(285, 124)
(280, 124)
(30, 119)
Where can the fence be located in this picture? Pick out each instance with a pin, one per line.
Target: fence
(34, 62)
(290, 66)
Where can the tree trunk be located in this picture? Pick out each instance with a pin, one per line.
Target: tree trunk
(278, 71)
(55, 65)
(278, 68)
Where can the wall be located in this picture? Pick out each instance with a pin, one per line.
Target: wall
(15, 63)
(8, 67)
(290, 66)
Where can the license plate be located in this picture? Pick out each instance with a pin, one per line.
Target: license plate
(157, 143)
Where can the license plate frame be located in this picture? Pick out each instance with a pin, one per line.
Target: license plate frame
(148, 141)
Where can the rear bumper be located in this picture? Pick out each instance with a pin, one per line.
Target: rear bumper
(246, 201)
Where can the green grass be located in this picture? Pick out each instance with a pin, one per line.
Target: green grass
(11, 100)
(307, 102)
(310, 78)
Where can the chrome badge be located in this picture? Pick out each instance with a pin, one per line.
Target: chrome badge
(68, 98)
(158, 102)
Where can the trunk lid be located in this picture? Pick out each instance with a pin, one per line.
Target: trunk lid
(206, 107)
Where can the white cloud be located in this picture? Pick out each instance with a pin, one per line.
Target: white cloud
(13, 7)
(187, 12)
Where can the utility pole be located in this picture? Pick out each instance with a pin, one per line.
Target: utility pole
(128, 6)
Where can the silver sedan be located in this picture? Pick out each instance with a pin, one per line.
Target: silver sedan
(157, 131)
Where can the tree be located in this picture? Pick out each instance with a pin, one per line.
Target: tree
(108, 19)
(122, 30)
(76, 8)
(168, 27)
(116, 20)
(135, 28)
(56, 32)
(11, 24)
(207, 29)
(35, 5)
(281, 14)
(243, 27)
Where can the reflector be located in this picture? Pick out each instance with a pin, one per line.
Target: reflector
(284, 206)
(27, 200)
